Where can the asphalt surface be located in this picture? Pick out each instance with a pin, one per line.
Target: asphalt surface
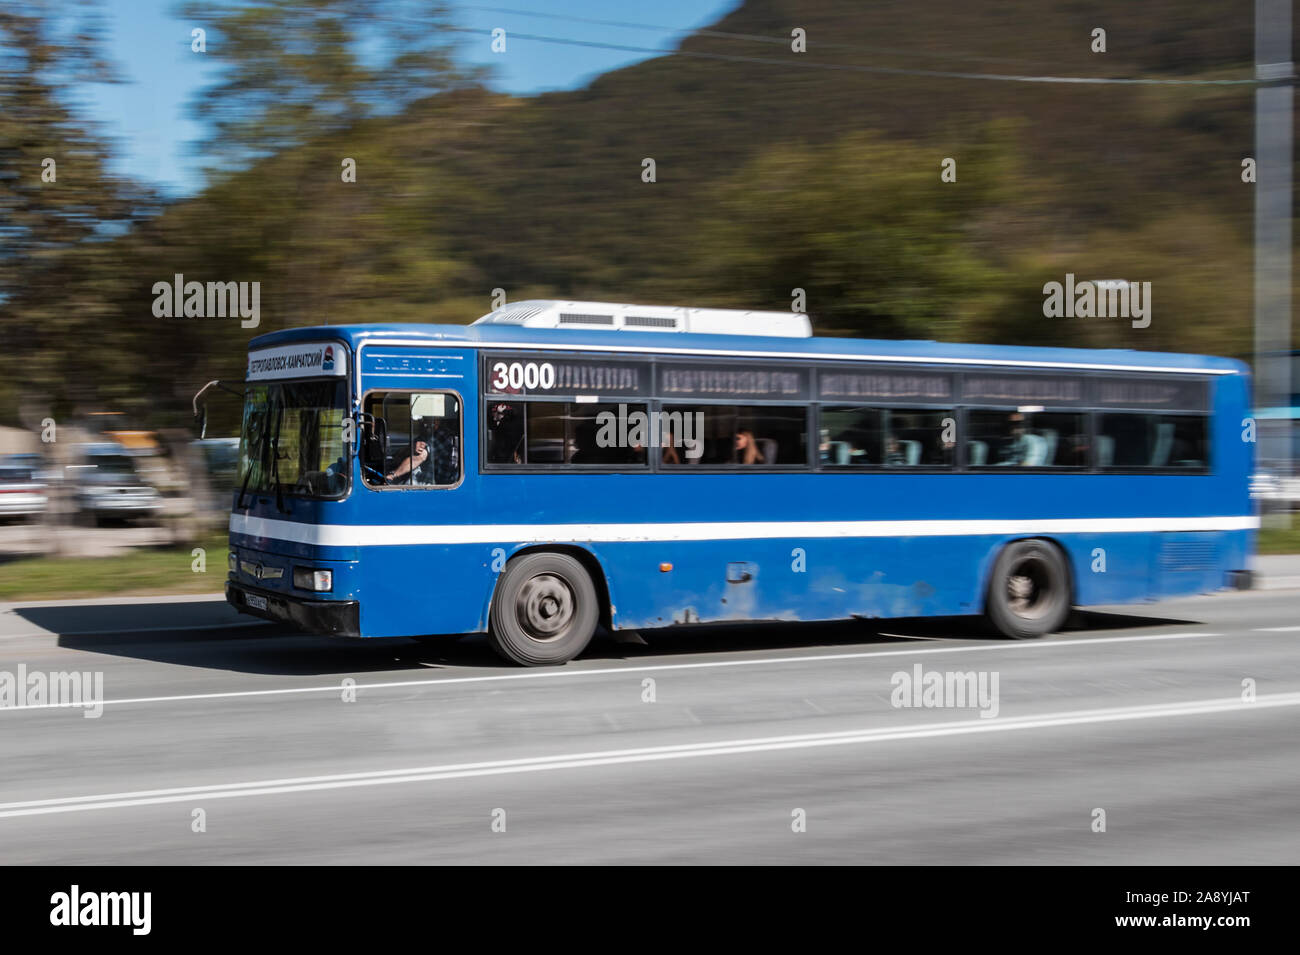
(1135, 711)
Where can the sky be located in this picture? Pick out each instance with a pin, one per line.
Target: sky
(147, 115)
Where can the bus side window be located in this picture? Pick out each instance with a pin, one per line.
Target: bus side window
(917, 437)
(851, 436)
(505, 432)
(744, 435)
(1136, 440)
(411, 439)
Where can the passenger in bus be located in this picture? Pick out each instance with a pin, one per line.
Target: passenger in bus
(747, 451)
(506, 435)
(432, 460)
(894, 453)
(419, 454)
(446, 452)
(670, 455)
(1017, 449)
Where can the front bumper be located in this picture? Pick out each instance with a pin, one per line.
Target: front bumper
(336, 618)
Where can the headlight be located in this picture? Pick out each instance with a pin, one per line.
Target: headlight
(307, 578)
(232, 562)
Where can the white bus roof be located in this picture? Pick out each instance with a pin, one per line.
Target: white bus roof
(554, 313)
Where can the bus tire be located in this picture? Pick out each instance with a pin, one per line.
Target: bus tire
(544, 611)
(1029, 590)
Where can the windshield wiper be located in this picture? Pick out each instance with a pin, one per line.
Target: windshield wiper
(275, 462)
(259, 454)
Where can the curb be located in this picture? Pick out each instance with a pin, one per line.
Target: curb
(1277, 583)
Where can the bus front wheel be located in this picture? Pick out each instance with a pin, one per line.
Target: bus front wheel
(544, 611)
(1029, 590)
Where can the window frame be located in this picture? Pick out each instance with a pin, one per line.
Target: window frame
(561, 467)
(883, 468)
(811, 367)
(733, 466)
(460, 421)
(1136, 469)
(1083, 412)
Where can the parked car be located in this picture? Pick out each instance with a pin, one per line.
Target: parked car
(109, 488)
(22, 495)
(42, 471)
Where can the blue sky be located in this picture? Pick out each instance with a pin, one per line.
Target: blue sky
(148, 120)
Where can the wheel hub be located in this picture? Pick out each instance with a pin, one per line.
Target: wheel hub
(1029, 588)
(545, 607)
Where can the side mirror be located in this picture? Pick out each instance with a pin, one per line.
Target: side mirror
(201, 411)
(374, 443)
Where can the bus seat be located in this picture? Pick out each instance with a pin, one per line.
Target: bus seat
(1164, 444)
(911, 452)
(767, 447)
(1049, 435)
(1035, 451)
(1105, 450)
(977, 453)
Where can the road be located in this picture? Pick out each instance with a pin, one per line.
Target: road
(752, 733)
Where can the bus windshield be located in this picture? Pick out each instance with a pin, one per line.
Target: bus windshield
(291, 439)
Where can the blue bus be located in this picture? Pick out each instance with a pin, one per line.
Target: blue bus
(557, 467)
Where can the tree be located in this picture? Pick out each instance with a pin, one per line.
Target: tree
(300, 69)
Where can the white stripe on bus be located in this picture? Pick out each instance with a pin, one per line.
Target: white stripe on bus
(368, 535)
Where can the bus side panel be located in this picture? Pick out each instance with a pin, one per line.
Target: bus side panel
(789, 579)
(425, 589)
(419, 589)
(794, 579)
(828, 579)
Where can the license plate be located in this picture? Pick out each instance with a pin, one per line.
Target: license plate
(254, 601)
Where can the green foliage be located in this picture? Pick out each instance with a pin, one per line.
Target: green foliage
(866, 227)
(297, 69)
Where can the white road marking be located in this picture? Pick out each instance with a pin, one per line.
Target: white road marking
(552, 674)
(1276, 629)
(584, 760)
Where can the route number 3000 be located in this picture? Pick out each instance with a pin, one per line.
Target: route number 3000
(517, 374)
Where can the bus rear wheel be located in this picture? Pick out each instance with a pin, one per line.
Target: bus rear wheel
(1029, 590)
(544, 611)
